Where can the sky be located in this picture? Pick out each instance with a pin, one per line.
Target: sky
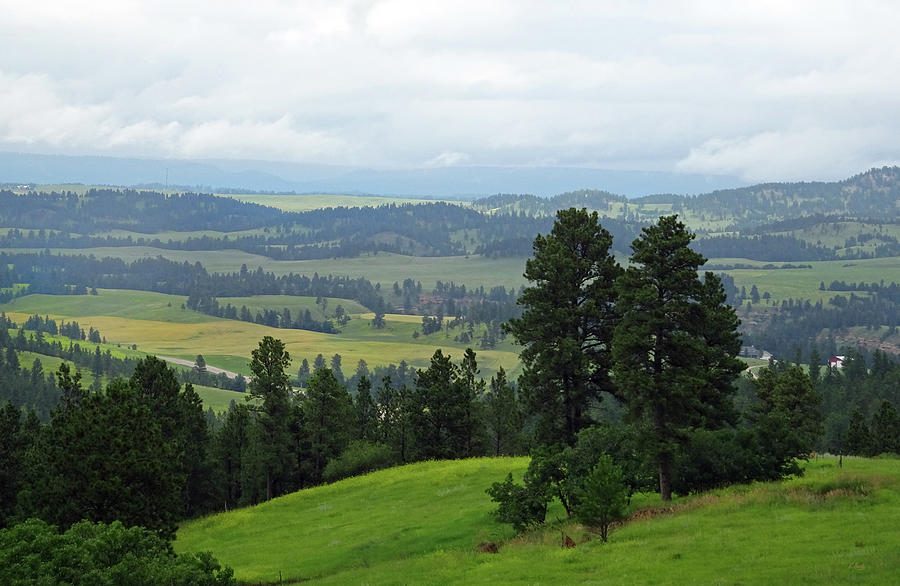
(756, 89)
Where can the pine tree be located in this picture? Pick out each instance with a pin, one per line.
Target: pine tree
(567, 324)
(502, 416)
(674, 349)
(886, 430)
(271, 384)
(326, 412)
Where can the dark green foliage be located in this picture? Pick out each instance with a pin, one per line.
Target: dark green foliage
(105, 459)
(602, 497)
(445, 417)
(365, 410)
(885, 430)
(503, 417)
(567, 324)
(858, 441)
(788, 418)
(271, 383)
(716, 458)
(90, 554)
(14, 441)
(520, 506)
(230, 447)
(360, 457)
(179, 414)
(327, 419)
(675, 347)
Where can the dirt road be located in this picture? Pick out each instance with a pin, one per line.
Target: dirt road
(209, 368)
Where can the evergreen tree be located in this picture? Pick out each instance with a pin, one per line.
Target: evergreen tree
(886, 429)
(815, 366)
(675, 347)
(326, 411)
(365, 410)
(502, 416)
(567, 324)
(336, 368)
(272, 385)
(787, 420)
(303, 373)
(859, 440)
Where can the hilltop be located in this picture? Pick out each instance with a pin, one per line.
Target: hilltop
(423, 522)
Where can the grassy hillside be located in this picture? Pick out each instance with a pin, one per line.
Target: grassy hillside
(421, 524)
(361, 522)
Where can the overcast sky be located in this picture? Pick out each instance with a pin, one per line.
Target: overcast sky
(762, 90)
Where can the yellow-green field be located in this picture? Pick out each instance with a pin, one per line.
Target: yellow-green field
(158, 325)
(307, 202)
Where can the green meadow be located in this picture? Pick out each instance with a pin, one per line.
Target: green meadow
(421, 524)
(804, 283)
(295, 304)
(475, 270)
(158, 325)
(383, 268)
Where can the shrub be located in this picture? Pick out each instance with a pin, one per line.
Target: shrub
(88, 553)
(521, 506)
(359, 457)
(602, 496)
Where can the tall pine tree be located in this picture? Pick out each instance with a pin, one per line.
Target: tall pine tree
(676, 344)
(567, 324)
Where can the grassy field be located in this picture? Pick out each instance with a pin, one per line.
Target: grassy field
(476, 271)
(804, 283)
(421, 523)
(307, 202)
(295, 304)
(384, 268)
(218, 399)
(158, 325)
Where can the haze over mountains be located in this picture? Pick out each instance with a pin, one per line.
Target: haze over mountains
(445, 182)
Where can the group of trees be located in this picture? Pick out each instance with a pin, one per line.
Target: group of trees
(658, 342)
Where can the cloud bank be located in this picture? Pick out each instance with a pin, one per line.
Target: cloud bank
(761, 90)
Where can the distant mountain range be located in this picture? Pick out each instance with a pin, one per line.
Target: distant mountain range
(444, 182)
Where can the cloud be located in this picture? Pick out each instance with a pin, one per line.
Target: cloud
(790, 155)
(448, 159)
(798, 89)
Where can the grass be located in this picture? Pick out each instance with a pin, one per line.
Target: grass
(384, 268)
(219, 400)
(148, 320)
(139, 305)
(307, 202)
(804, 283)
(357, 523)
(832, 526)
(297, 305)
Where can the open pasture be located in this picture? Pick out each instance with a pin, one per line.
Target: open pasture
(148, 320)
(804, 283)
(317, 201)
(832, 526)
(384, 268)
(296, 304)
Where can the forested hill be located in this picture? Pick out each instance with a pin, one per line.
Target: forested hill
(873, 194)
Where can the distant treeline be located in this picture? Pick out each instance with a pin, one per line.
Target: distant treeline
(799, 324)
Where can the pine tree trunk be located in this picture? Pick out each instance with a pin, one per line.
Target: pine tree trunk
(665, 478)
